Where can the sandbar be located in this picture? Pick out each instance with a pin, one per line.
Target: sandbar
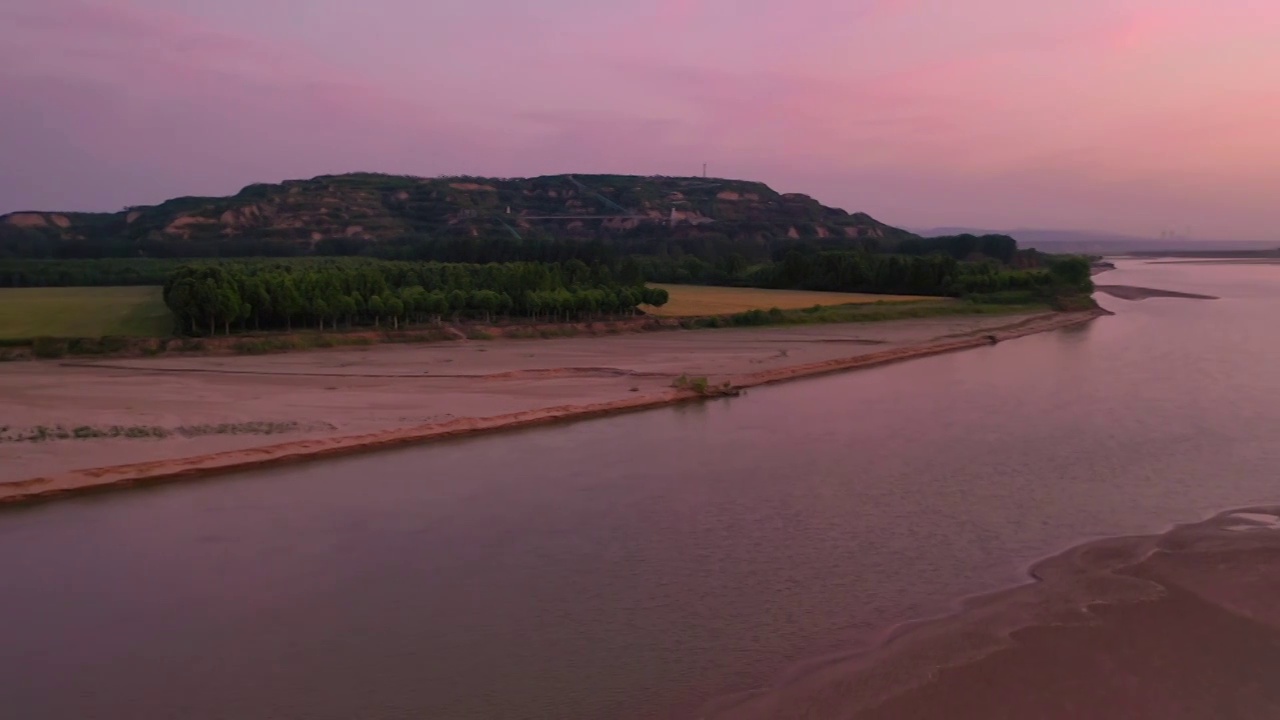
(68, 427)
(1131, 292)
(1183, 625)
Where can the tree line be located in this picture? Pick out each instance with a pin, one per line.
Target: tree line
(921, 275)
(756, 241)
(206, 298)
(86, 273)
(809, 268)
(802, 267)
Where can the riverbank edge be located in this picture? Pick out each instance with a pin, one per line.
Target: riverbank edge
(201, 466)
(1089, 578)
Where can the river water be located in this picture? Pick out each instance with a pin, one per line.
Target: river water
(640, 565)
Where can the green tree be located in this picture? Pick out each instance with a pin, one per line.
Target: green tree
(228, 305)
(286, 300)
(1072, 272)
(180, 297)
(358, 307)
(256, 296)
(319, 310)
(657, 297)
(395, 308)
(347, 307)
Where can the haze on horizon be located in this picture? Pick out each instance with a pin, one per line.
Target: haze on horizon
(1133, 116)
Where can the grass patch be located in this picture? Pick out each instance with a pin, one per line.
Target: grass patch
(1074, 303)
(522, 333)
(263, 346)
(84, 312)
(703, 300)
(878, 312)
(259, 345)
(1007, 297)
(399, 336)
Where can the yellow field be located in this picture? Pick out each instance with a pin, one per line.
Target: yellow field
(83, 312)
(696, 300)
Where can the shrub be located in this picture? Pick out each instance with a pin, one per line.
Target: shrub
(48, 348)
(698, 384)
(83, 346)
(114, 344)
(752, 317)
(316, 341)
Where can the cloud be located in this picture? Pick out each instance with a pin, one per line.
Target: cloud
(205, 110)
(945, 107)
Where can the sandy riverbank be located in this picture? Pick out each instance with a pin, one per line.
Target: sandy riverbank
(1181, 625)
(147, 420)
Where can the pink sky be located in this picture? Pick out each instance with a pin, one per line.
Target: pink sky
(1134, 116)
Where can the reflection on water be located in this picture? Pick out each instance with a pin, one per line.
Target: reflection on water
(635, 566)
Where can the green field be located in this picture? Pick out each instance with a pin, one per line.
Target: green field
(701, 300)
(94, 312)
(88, 312)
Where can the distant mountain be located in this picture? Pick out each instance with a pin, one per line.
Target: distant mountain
(343, 214)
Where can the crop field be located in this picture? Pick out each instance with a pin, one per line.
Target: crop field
(698, 300)
(88, 312)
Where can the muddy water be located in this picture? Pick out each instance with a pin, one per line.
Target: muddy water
(643, 565)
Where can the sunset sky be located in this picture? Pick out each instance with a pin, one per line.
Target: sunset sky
(1133, 116)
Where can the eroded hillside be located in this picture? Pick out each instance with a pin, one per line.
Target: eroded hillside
(341, 213)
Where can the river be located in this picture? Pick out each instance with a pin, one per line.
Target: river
(641, 565)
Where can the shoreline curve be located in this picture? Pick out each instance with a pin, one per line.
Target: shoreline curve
(201, 466)
(1195, 587)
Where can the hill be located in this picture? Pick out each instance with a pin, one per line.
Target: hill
(388, 216)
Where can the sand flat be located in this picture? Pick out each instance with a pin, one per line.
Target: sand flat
(1130, 292)
(335, 400)
(1179, 626)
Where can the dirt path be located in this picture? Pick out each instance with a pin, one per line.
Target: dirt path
(71, 427)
